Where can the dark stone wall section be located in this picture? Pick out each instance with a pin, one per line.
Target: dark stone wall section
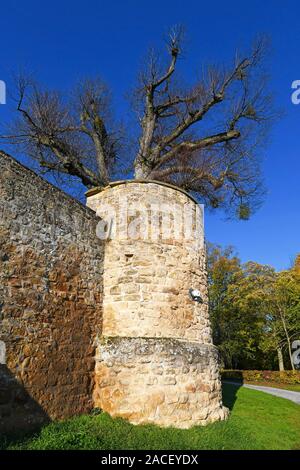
(51, 267)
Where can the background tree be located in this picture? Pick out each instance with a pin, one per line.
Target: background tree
(285, 307)
(236, 327)
(296, 266)
(275, 298)
(255, 311)
(205, 138)
(253, 296)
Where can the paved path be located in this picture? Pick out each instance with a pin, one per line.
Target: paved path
(278, 392)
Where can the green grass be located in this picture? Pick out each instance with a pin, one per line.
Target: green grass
(257, 421)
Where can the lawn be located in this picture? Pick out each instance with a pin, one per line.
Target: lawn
(257, 421)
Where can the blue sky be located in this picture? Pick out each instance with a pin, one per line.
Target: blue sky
(61, 41)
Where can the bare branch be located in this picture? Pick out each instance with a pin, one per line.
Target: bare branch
(67, 136)
(206, 137)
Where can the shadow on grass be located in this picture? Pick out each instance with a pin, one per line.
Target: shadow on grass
(20, 415)
(229, 393)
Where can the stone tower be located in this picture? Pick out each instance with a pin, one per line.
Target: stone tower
(155, 360)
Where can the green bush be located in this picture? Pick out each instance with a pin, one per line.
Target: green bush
(289, 377)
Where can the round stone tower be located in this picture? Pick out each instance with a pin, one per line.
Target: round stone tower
(155, 361)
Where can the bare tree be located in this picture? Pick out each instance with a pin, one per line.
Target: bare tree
(68, 136)
(205, 138)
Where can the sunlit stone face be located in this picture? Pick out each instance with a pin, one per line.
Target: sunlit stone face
(155, 361)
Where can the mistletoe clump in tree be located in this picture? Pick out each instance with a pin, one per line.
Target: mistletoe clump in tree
(205, 138)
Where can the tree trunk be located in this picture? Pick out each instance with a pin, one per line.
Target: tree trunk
(282, 316)
(291, 353)
(140, 171)
(280, 359)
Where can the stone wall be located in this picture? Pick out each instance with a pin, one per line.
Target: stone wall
(149, 271)
(109, 323)
(155, 362)
(51, 266)
(161, 381)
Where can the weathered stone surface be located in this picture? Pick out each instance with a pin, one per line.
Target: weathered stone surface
(51, 266)
(145, 380)
(155, 361)
(147, 279)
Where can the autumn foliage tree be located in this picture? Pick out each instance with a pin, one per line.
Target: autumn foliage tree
(205, 138)
(237, 329)
(255, 311)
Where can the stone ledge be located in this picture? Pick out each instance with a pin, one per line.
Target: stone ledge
(98, 189)
(118, 345)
